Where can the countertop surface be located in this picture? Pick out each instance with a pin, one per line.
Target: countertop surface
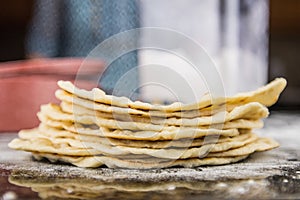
(273, 174)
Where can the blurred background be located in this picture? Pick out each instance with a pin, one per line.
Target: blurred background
(264, 34)
(284, 41)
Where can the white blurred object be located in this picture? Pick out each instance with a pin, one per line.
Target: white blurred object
(168, 77)
(233, 32)
(243, 57)
(9, 195)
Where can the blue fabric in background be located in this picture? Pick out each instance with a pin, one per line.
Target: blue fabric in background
(72, 28)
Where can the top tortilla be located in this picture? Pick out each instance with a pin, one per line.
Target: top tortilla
(266, 95)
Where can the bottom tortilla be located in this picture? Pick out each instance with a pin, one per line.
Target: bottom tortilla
(97, 161)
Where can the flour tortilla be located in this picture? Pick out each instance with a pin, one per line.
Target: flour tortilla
(53, 112)
(97, 161)
(250, 111)
(106, 110)
(52, 134)
(266, 95)
(60, 146)
(46, 146)
(104, 143)
(236, 124)
(261, 144)
(72, 99)
(138, 135)
(75, 148)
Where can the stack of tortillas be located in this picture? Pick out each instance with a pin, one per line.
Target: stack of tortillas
(91, 129)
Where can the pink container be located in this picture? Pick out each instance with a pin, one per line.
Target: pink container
(25, 85)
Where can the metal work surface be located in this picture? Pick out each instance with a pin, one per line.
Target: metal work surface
(274, 174)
